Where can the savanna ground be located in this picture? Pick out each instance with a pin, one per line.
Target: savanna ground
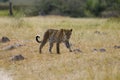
(88, 34)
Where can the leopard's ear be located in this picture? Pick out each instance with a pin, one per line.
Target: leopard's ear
(71, 30)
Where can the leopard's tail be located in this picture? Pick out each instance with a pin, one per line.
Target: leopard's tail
(37, 39)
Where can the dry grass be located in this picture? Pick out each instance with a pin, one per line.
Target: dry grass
(88, 65)
(4, 75)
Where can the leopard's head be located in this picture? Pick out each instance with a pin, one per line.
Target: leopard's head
(67, 34)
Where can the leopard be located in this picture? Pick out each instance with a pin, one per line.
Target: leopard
(55, 36)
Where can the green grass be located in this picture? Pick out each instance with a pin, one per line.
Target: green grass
(88, 65)
(4, 12)
(16, 13)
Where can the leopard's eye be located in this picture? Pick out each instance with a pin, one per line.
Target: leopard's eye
(69, 33)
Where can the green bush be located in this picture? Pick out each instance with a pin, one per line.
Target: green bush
(73, 8)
